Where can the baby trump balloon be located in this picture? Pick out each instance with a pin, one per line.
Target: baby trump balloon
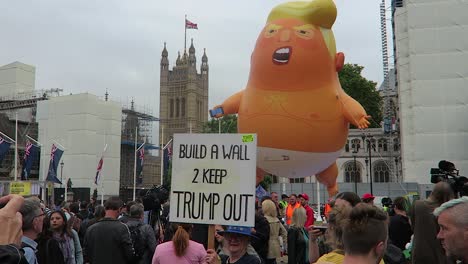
(293, 99)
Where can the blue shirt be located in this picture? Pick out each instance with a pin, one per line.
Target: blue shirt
(30, 252)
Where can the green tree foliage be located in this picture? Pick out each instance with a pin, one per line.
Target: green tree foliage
(363, 90)
(168, 176)
(267, 181)
(228, 125)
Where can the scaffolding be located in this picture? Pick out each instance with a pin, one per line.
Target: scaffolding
(389, 100)
(137, 117)
(132, 116)
(8, 106)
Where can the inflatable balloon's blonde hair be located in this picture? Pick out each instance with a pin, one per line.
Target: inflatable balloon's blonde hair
(321, 13)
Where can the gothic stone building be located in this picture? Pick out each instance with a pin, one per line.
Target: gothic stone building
(183, 94)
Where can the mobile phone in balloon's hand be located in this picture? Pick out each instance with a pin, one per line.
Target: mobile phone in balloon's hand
(216, 111)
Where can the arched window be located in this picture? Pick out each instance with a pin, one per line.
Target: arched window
(171, 108)
(347, 146)
(382, 146)
(352, 173)
(396, 144)
(183, 107)
(381, 172)
(177, 110)
(356, 144)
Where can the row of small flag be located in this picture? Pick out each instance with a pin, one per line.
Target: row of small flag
(31, 154)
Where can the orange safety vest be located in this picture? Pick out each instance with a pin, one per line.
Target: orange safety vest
(327, 210)
(289, 212)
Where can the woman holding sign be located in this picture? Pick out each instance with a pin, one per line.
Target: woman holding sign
(181, 249)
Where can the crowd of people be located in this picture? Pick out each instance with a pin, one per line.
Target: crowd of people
(353, 230)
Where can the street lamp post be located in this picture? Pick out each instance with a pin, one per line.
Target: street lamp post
(369, 149)
(355, 171)
(61, 173)
(367, 165)
(396, 169)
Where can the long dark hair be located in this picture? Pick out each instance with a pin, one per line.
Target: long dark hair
(66, 230)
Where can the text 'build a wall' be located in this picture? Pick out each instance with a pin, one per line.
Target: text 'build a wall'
(213, 179)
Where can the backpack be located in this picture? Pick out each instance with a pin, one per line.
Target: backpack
(137, 240)
(24, 245)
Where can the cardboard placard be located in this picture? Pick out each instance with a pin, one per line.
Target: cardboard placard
(213, 179)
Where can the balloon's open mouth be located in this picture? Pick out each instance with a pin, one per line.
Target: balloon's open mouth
(281, 56)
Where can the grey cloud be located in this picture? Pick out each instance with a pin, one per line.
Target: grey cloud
(93, 45)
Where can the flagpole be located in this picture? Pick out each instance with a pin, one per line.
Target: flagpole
(66, 192)
(16, 146)
(60, 145)
(9, 138)
(134, 164)
(185, 36)
(219, 126)
(101, 177)
(33, 140)
(44, 178)
(318, 199)
(102, 187)
(162, 153)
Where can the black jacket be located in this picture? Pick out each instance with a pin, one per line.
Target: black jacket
(262, 232)
(148, 237)
(108, 241)
(49, 252)
(399, 231)
(297, 245)
(11, 254)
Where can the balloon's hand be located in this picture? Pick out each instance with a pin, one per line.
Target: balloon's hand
(364, 122)
(217, 111)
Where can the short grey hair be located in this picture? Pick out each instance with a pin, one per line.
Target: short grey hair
(29, 211)
(458, 209)
(136, 210)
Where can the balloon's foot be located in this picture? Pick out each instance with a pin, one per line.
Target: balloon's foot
(332, 191)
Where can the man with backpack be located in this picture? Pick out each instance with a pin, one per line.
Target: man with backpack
(142, 235)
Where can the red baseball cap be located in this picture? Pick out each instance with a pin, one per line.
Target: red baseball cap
(305, 196)
(368, 196)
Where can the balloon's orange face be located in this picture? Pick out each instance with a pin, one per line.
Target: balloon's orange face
(290, 52)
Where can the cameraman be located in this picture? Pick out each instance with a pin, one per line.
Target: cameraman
(11, 222)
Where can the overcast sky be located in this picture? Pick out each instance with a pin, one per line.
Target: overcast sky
(91, 45)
